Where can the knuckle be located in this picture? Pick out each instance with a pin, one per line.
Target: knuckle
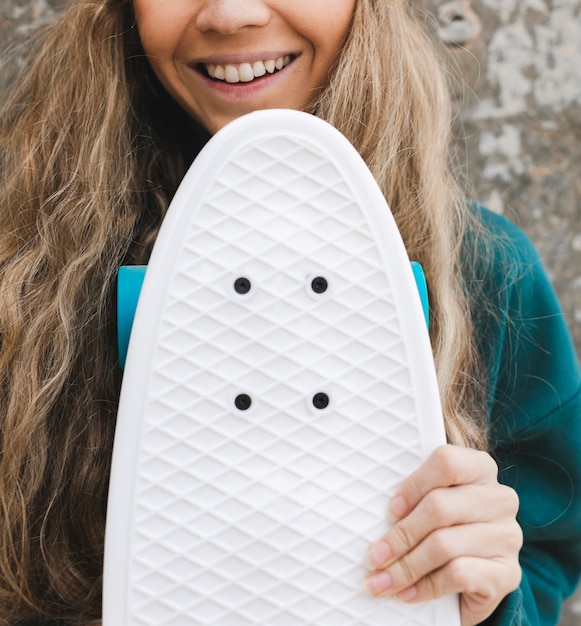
(512, 500)
(408, 572)
(451, 462)
(401, 537)
(515, 577)
(516, 538)
(460, 575)
(431, 588)
(437, 507)
(490, 465)
(440, 546)
(446, 458)
(509, 581)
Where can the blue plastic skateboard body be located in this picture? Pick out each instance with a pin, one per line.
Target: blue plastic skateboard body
(130, 281)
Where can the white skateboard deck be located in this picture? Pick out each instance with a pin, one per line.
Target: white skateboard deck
(279, 385)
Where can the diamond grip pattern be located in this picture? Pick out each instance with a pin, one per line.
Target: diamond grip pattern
(263, 516)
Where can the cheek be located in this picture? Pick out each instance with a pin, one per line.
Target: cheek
(158, 27)
(342, 23)
(331, 28)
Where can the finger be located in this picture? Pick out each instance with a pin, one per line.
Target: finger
(481, 584)
(447, 466)
(493, 541)
(440, 508)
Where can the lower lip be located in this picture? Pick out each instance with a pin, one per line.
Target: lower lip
(240, 91)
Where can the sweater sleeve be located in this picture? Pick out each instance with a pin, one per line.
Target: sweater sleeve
(535, 427)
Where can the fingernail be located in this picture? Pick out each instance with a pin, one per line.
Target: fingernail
(397, 507)
(379, 554)
(409, 594)
(379, 583)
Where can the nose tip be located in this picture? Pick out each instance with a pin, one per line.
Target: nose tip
(229, 16)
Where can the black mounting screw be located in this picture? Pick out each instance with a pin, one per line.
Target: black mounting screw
(242, 285)
(243, 402)
(319, 284)
(321, 401)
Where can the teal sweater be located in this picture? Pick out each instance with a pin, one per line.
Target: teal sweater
(534, 415)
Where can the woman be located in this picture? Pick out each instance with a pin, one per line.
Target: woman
(118, 99)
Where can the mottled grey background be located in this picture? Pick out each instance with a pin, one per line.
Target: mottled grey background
(517, 71)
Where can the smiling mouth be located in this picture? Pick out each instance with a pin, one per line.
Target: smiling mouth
(245, 72)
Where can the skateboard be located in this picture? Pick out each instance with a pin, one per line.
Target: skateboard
(278, 386)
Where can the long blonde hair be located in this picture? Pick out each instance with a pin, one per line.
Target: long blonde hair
(85, 179)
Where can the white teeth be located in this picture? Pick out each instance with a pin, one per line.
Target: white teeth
(246, 72)
(258, 69)
(231, 74)
(216, 71)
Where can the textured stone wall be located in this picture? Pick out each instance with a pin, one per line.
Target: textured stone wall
(518, 95)
(517, 69)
